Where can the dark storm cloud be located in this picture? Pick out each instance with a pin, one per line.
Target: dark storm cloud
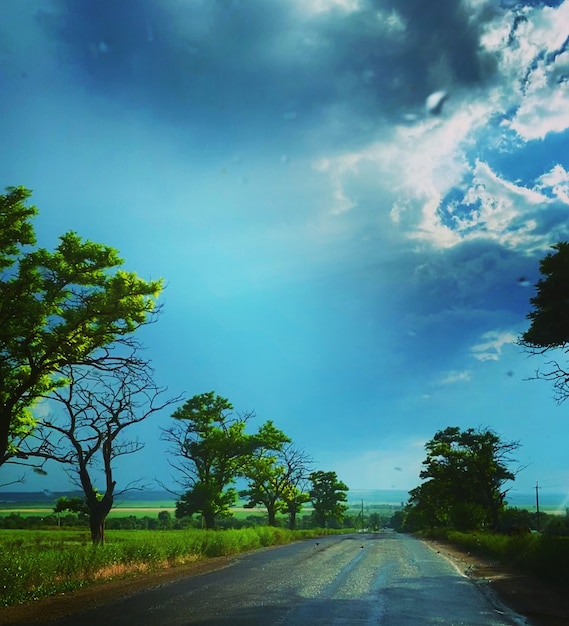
(478, 274)
(195, 63)
(238, 67)
(455, 296)
(441, 32)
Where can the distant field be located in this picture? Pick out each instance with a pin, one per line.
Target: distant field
(384, 502)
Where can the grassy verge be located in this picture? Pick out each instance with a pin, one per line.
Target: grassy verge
(36, 564)
(545, 557)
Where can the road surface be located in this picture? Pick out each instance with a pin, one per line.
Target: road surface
(382, 579)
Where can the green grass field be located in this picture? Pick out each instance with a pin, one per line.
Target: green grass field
(35, 564)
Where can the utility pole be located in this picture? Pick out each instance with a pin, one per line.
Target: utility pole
(362, 514)
(537, 505)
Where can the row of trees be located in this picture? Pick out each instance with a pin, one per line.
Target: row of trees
(211, 449)
(68, 319)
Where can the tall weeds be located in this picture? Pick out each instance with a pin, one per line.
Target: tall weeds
(34, 564)
(543, 556)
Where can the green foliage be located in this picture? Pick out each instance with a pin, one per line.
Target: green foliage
(543, 556)
(464, 473)
(212, 449)
(328, 495)
(207, 499)
(269, 477)
(57, 308)
(549, 326)
(43, 563)
(209, 445)
(73, 504)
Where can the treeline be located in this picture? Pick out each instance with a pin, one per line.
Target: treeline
(465, 474)
(68, 339)
(166, 521)
(513, 522)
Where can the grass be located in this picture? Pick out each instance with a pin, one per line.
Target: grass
(36, 564)
(543, 556)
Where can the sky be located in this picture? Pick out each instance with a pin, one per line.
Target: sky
(348, 201)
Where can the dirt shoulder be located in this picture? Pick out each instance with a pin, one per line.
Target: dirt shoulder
(541, 604)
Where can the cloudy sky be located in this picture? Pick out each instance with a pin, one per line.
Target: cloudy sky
(342, 255)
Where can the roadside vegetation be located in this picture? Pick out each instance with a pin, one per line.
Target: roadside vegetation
(543, 556)
(35, 564)
(463, 500)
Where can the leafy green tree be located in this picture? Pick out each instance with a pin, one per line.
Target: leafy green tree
(273, 476)
(267, 482)
(165, 520)
(465, 473)
(549, 327)
(375, 521)
(57, 309)
(211, 450)
(73, 504)
(328, 495)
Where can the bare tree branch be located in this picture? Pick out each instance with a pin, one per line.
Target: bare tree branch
(97, 406)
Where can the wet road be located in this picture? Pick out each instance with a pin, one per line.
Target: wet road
(383, 579)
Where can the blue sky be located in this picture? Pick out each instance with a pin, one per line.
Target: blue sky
(337, 258)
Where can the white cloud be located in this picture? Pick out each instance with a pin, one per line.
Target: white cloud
(314, 7)
(502, 211)
(417, 164)
(456, 377)
(557, 181)
(491, 343)
(533, 68)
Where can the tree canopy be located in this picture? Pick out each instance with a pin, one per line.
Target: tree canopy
(328, 495)
(211, 449)
(464, 472)
(549, 319)
(274, 477)
(549, 327)
(57, 308)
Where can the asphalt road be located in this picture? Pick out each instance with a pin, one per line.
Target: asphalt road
(383, 579)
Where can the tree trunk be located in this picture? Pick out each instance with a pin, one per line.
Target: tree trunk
(5, 419)
(97, 526)
(292, 519)
(98, 512)
(209, 519)
(271, 515)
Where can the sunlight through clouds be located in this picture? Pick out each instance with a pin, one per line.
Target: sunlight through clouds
(342, 255)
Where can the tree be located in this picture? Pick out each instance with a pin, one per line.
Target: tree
(274, 474)
(298, 465)
(87, 435)
(327, 495)
(74, 505)
(211, 449)
(465, 473)
(549, 327)
(57, 309)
